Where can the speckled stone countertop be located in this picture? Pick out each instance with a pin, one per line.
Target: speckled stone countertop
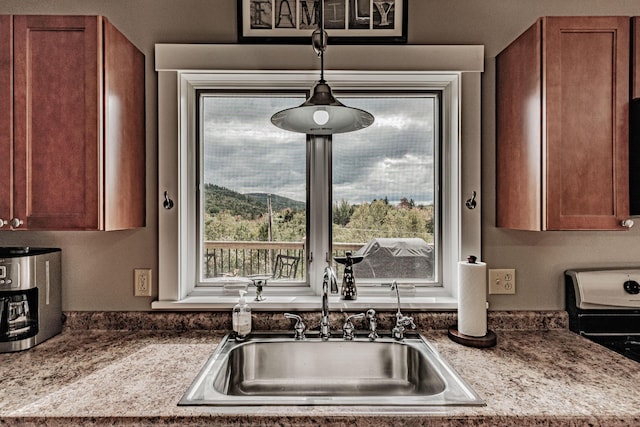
(542, 376)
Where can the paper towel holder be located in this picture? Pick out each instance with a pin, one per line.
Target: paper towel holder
(488, 340)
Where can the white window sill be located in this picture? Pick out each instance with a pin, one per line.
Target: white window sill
(309, 303)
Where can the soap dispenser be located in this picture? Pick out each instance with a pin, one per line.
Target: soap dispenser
(242, 318)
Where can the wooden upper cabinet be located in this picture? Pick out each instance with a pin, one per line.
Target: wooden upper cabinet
(124, 132)
(562, 109)
(635, 69)
(78, 125)
(6, 119)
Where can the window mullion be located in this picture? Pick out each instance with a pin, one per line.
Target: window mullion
(319, 210)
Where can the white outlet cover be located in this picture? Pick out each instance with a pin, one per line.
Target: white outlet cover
(502, 281)
(142, 282)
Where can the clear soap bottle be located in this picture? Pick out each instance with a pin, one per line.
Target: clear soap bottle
(242, 318)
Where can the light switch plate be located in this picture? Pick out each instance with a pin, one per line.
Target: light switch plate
(502, 281)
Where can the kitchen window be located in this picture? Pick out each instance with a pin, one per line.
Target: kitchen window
(253, 178)
(250, 197)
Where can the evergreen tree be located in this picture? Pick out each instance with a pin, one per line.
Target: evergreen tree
(342, 212)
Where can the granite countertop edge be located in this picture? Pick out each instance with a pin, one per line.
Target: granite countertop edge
(369, 420)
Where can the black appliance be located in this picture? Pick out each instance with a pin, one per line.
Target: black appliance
(604, 306)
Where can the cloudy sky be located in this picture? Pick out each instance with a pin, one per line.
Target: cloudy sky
(392, 158)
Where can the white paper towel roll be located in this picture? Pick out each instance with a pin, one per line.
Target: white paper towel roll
(472, 298)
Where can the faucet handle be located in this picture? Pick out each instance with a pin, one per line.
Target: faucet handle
(348, 329)
(401, 323)
(405, 320)
(299, 327)
(373, 324)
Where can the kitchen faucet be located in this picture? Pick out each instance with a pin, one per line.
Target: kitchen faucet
(328, 280)
(402, 321)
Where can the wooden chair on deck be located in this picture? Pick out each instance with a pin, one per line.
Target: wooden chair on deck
(285, 267)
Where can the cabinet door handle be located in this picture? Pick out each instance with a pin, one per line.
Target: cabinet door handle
(628, 223)
(3, 222)
(16, 222)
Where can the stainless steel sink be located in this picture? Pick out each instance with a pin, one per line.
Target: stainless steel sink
(274, 369)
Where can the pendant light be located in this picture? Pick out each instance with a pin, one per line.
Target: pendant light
(322, 113)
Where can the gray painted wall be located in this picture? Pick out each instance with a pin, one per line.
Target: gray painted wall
(98, 267)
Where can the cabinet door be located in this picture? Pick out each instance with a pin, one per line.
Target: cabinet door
(518, 133)
(56, 121)
(124, 132)
(586, 81)
(6, 117)
(635, 69)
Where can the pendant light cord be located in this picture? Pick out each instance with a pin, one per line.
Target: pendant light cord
(322, 38)
(322, 66)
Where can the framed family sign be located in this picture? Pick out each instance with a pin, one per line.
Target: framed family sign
(346, 21)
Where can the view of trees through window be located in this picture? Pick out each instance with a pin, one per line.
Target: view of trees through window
(231, 216)
(253, 186)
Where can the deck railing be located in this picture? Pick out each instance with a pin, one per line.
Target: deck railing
(236, 258)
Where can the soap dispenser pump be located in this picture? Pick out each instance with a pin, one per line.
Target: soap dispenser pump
(241, 318)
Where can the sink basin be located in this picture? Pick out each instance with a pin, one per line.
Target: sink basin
(274, 369)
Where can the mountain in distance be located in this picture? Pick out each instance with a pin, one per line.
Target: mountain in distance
(250, 206)
(278, 202)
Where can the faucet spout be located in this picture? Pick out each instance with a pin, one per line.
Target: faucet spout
(402, 321)
(329, 281)
(394, 287)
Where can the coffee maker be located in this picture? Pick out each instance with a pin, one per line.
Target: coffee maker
(30, 297)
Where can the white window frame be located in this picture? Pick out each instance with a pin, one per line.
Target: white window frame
(184, 69)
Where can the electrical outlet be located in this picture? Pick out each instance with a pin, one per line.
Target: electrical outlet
(142, 282)
(502, 281)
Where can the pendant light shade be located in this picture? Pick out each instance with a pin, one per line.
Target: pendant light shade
(321, 113)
